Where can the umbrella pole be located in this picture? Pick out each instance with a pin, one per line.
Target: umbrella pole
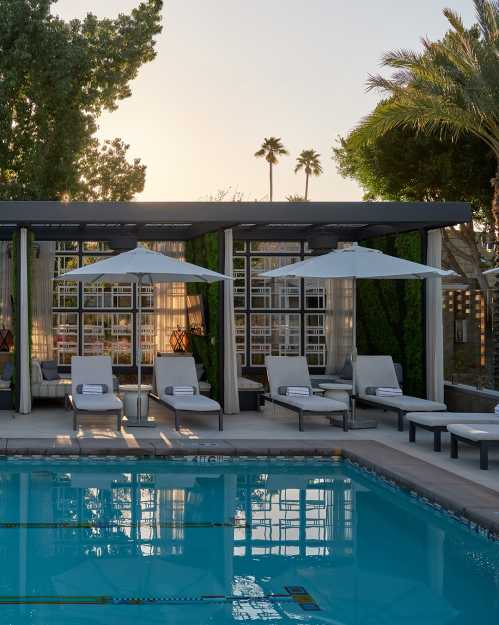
(138, 421)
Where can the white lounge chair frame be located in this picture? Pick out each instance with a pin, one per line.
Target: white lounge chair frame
(181, 372)
(378, 371)
(92, 370)
(294, 372)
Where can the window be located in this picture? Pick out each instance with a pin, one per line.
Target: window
(101, 319)
(281, 317)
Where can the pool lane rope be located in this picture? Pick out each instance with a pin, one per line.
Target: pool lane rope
(294, 594)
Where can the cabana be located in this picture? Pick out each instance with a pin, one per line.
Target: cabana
(243, 321)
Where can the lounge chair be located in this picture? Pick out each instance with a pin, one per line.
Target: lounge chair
(437, 423)
(96, 370)
(289, 371)
(481, 436)
(378, 371)
(181, 371)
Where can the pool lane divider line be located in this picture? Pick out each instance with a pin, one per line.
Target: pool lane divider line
(128, 524)
(294, 594)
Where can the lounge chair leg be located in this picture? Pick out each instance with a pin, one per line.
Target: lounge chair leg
(220, 421)
(437, 441)
(300, 420)
(484, 456)
(453, 446)
(401, 421)
(412, 432)
(177, 421)
(345, 421)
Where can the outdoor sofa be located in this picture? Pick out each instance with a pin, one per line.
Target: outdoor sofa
(98, 371)
(170, 373)
(373, 372)
(437, 423)
(292, 371)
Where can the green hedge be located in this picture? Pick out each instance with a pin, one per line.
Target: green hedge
(390, 313)
(205, 251)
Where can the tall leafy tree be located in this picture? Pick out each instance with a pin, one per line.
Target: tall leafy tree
(57, 77)
(451, 87)
(308, 161)
(406, 165)
(271, 148)
(107, 175)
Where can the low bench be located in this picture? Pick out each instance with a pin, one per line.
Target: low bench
(481, 437)
(437, 423)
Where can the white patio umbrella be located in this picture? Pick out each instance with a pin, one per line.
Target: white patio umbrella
(353, 263)
(142, 267)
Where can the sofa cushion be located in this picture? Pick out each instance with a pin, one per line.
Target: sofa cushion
(49, 370)
(36, 372)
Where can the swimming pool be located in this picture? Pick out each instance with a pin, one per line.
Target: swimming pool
(190, 541)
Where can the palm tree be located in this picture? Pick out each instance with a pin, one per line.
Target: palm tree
(309, 161)
(272, 147)
(451, 87)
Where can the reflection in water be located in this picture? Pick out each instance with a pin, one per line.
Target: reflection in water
(224, 543)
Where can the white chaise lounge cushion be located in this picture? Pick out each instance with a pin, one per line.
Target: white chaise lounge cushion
(93, 370)
(175, 371)
(475, 432)
(313, 404)
(293, 371)
(379, 371)
(192, 403)
(406, 403)
(181, 371)
(442, 419)
(97, 402)
(375, 371)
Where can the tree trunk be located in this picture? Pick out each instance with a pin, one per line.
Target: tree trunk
(495, 213)
(271, 182)
(306, 186)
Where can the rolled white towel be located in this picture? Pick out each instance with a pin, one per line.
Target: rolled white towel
(298, 391)
(496, 409)
(388, 392)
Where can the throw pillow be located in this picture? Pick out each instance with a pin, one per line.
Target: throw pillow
(8, 371)
(49, 370)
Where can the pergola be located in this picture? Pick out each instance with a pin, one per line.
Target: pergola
(182, 221)
(123, 224)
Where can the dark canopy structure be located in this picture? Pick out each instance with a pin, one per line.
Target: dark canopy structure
(183, 221)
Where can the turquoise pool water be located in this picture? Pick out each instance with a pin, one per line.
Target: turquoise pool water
(193, 542)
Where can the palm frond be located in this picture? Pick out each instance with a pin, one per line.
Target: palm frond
(487, 12)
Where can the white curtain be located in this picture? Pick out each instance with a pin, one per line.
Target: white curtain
(24, 376)
(434, 322)
(339, 302)
(231, 392)
(169, 299)
(42, 334)
(5, 286)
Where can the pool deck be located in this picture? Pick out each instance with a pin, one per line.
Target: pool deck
(456, 485)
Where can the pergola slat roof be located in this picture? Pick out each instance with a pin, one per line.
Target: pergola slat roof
(348, 221)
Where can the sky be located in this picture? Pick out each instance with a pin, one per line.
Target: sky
(231, 72)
